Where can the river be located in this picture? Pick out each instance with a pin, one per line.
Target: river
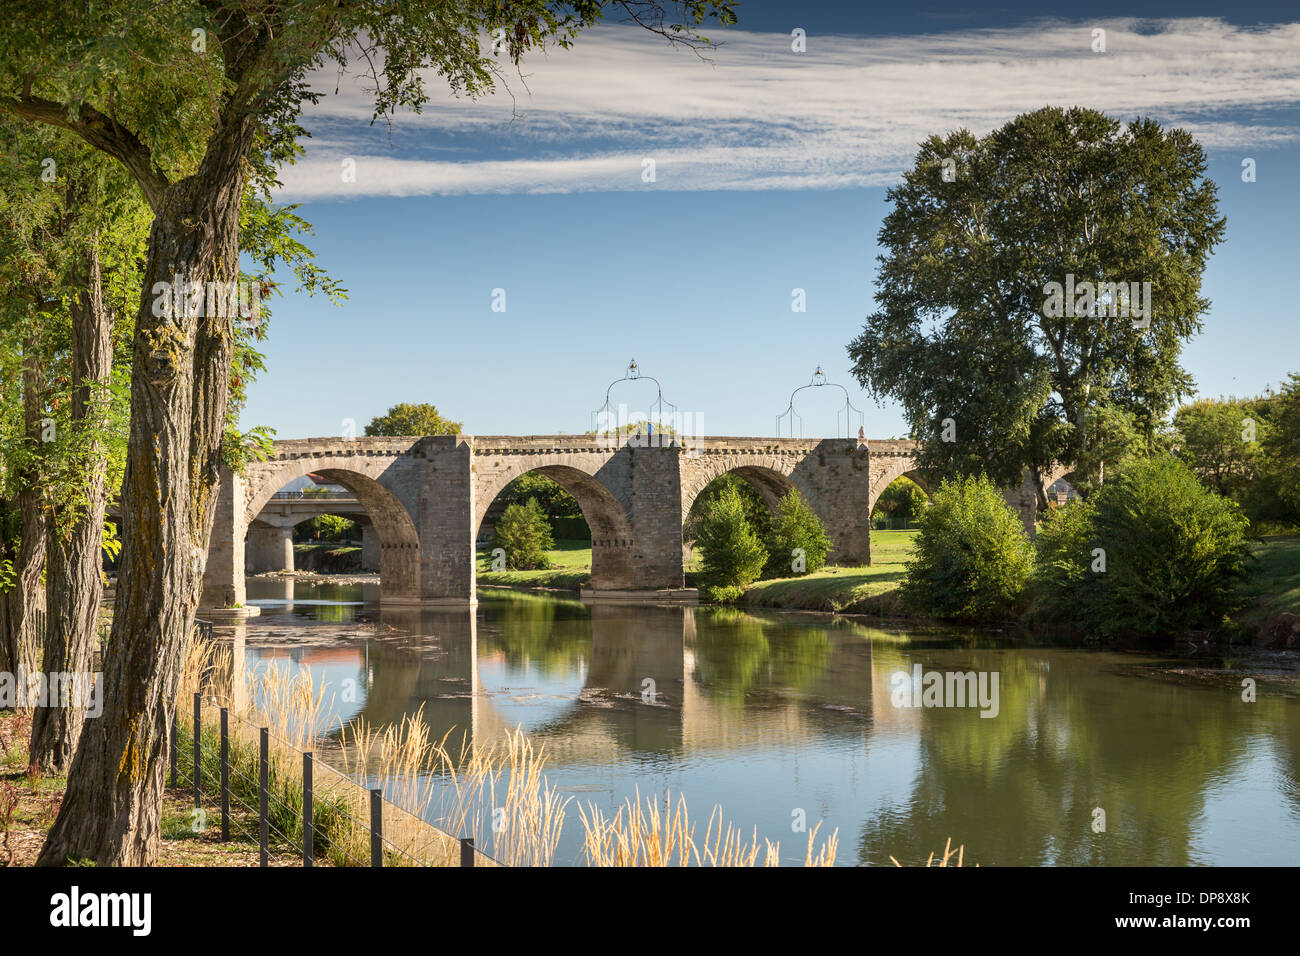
(1082, 757)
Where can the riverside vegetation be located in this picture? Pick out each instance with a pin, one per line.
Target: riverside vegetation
(437, 790)
(1155, 552)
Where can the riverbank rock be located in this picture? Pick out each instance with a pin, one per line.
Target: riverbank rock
(1280, 630)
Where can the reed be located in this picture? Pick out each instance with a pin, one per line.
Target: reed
(640, 834)
(434, 791)
(437, 790)
(949, 852)
(496, 789)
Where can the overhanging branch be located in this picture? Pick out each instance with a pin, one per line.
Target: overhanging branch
(101, 132)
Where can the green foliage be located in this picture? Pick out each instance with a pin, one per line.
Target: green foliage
(328, 528)
(795, 528)
(901, 502)
(1219, 441)
(524, 534)
(963, 330)
(239, 449)
(110, 542)
(1062, 565)
(757, 513)
(733, 555)
(407, 419)
(971, 558)
(1281, 449)
(1154, 553)
(1246, 450)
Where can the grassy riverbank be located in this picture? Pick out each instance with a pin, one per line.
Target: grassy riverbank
(1273, 588)
(29, 803)
(570, 569)
(1274, 585)
(866, 589)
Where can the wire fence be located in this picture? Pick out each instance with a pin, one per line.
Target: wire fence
(261, 787)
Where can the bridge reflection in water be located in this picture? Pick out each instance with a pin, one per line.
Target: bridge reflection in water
(603, 684)
(769, 713)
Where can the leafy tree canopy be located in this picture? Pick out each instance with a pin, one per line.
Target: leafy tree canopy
(407, 419)
(995, 372)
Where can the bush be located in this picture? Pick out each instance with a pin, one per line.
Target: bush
(733, 555)
(795, 527)
(1154, 553)
(524, 534)
(971, 557)
(757, 513)
(1062, 565)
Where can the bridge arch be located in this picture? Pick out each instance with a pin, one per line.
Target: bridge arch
(399, 539)
(612, 539)
(772, 479)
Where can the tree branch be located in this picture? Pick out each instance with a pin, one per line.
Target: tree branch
(99, 131)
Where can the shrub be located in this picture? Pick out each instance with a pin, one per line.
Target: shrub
(1172, 550)
(757, 513)
(971, 557)
(524, 534)
(733, 555)
(1062, 565)
(795, 527)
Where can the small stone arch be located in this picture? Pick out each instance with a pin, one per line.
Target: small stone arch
(612, 540)
(888, 468)
(920, 479)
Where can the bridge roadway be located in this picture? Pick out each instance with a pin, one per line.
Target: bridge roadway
(425, 499)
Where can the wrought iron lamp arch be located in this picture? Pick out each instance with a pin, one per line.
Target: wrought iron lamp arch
(819, 380)
(655, 413)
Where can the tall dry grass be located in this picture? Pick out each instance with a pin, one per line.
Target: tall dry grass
(495, 791)
(949, 852)
(640, 834)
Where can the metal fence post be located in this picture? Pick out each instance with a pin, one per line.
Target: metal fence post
(265, 787)
(376, 828)
(308, 827)
(198, 734)
(225, 775)
(466, 851)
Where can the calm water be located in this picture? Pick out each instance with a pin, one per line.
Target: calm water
(772, 713)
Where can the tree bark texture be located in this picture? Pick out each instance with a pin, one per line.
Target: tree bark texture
(74, 559)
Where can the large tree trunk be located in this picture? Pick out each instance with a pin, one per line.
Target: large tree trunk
(74, 560)
(20, 651)
(180, 378)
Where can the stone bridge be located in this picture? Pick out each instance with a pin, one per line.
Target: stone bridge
(426, 498)
(269, 546)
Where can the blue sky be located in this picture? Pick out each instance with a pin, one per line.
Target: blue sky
(770, 174)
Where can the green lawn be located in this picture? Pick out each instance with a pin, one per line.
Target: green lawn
(867, 589)
(570, 568)
(1275, 583)
(871, 589)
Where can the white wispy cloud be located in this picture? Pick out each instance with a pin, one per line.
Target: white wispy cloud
(848, 112)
